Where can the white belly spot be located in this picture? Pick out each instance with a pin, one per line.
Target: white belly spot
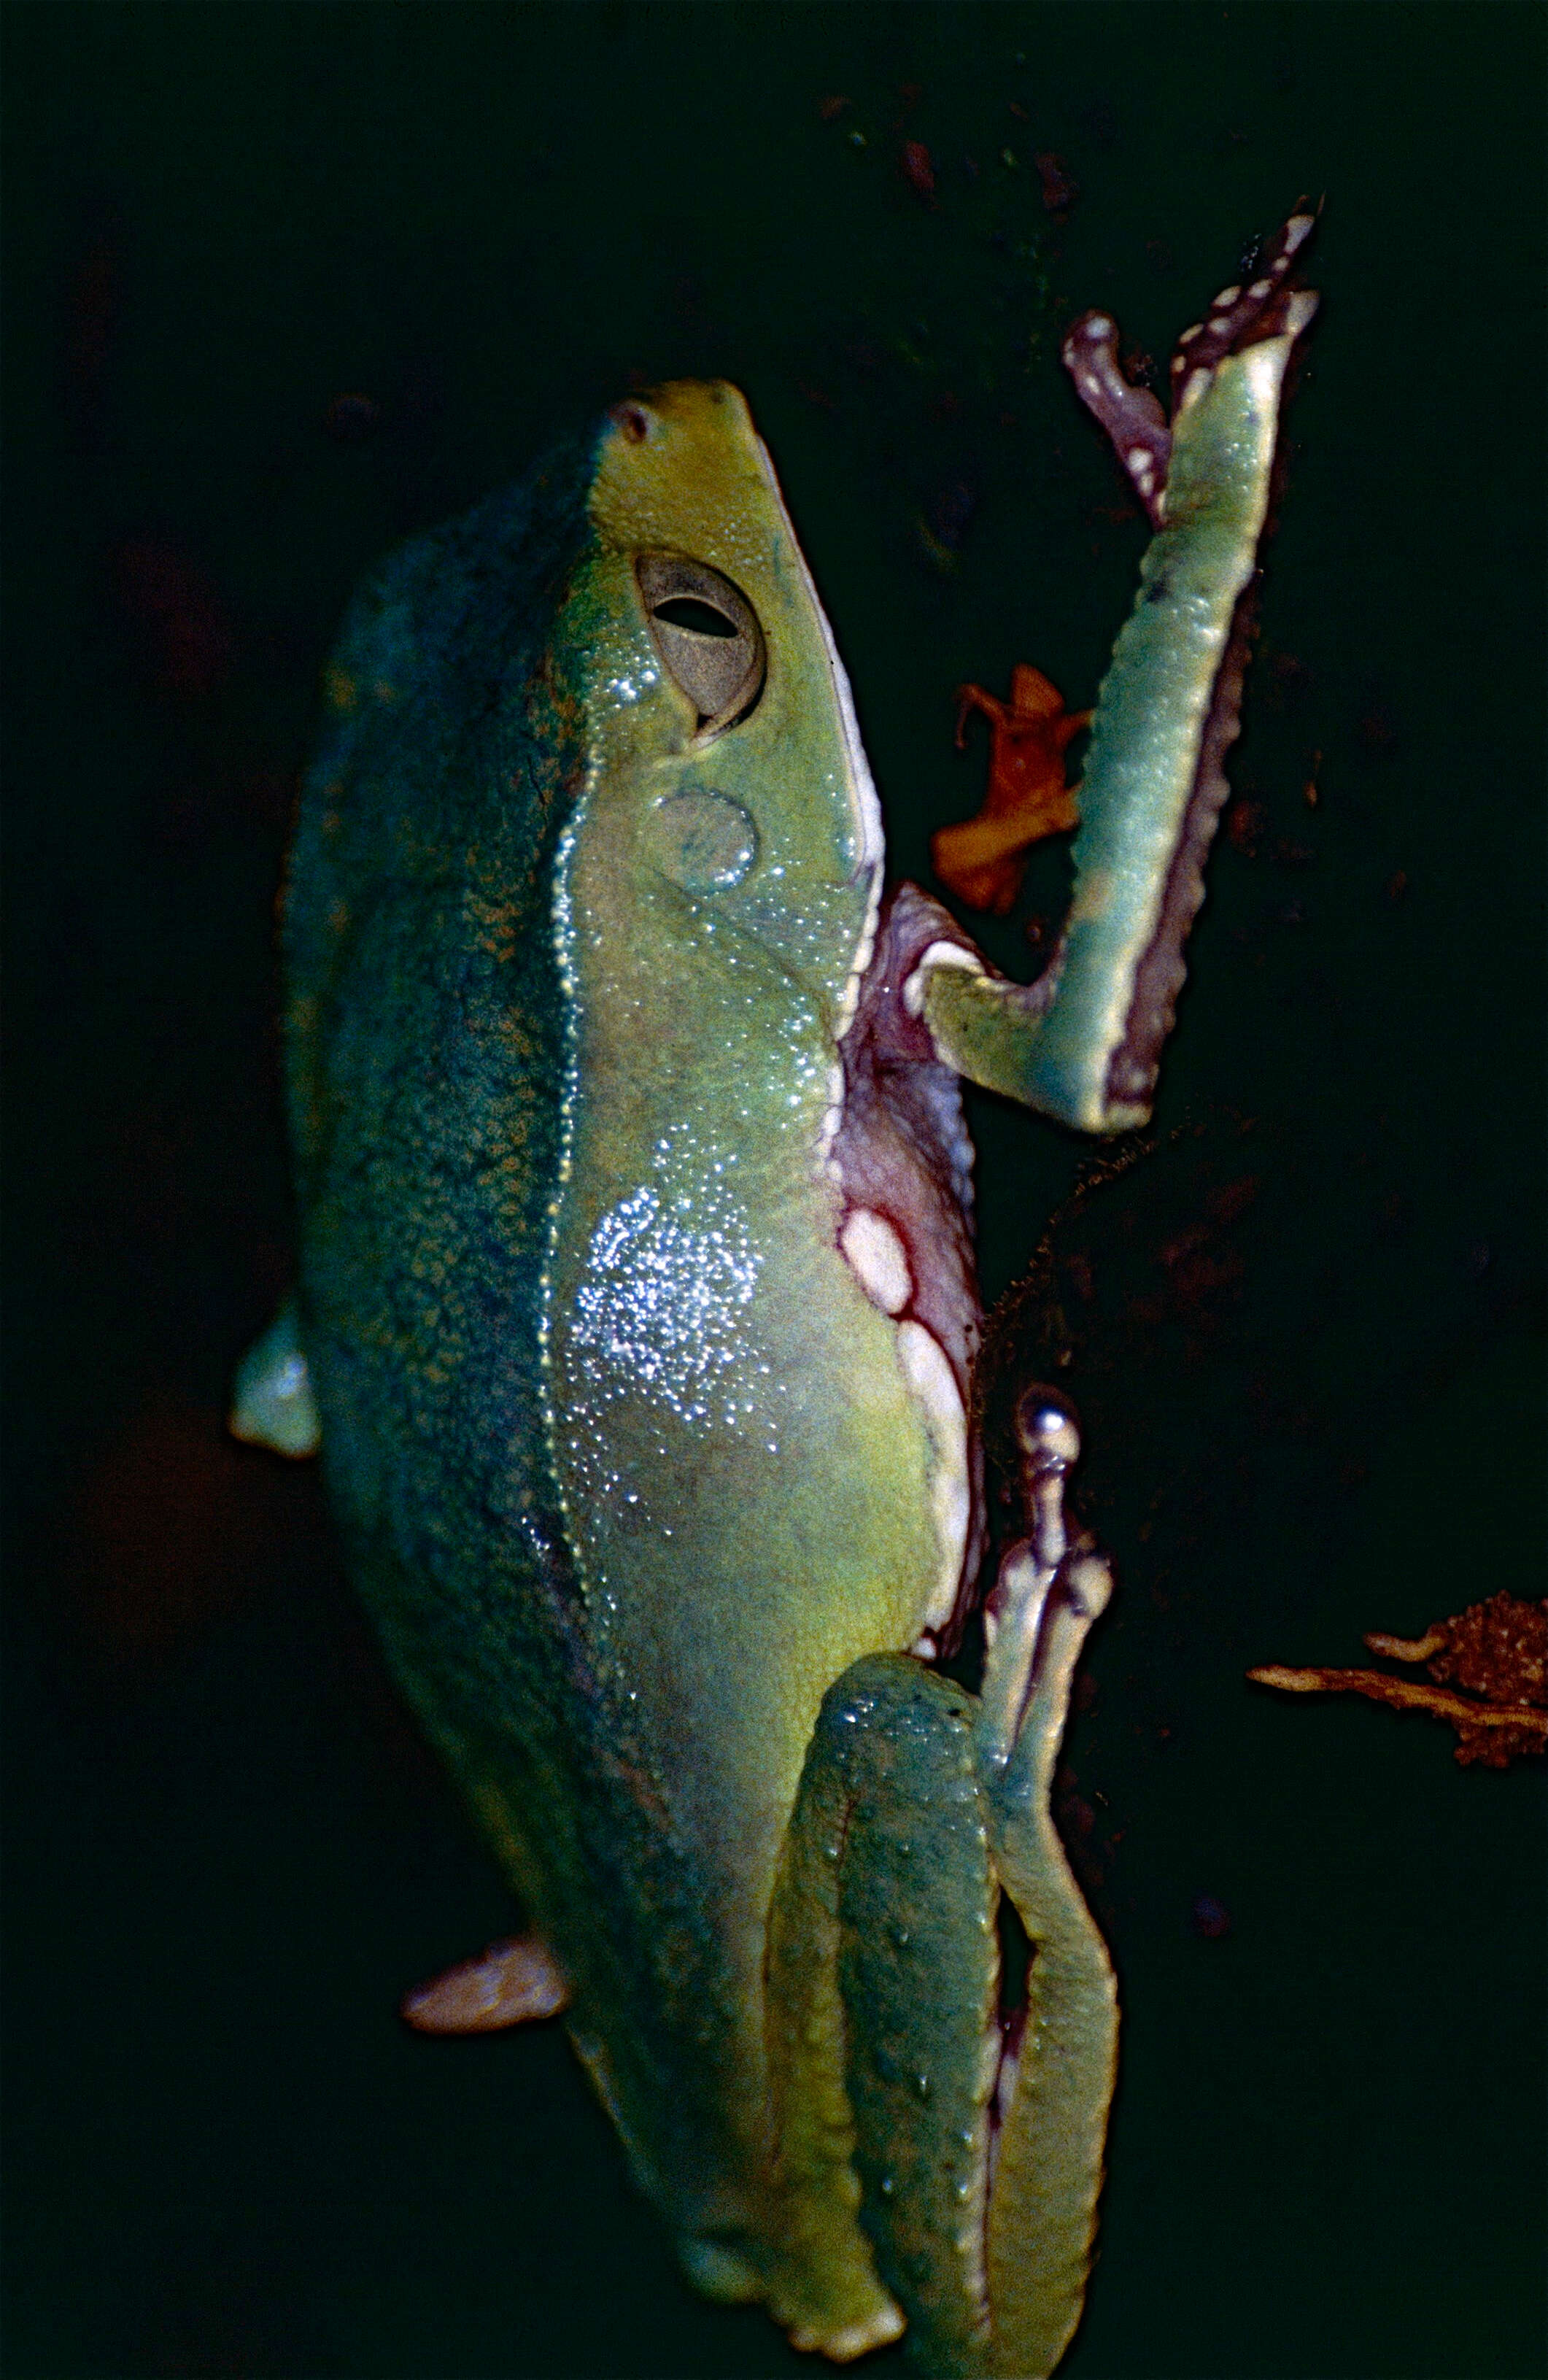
(929, 1376)
(877, 1257)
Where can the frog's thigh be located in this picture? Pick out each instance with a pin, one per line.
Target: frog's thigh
(883, 1997)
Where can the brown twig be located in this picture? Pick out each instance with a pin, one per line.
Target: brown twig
(1403, 1693)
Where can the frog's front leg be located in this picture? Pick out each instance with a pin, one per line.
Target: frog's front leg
(1083, 1044)
(968, 2144)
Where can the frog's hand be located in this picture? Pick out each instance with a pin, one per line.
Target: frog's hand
(1056, 2081)
(883, 2041)
(1083, 1044)
(272, 1402)
(511, 1983)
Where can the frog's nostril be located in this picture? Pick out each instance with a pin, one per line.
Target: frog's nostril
(634, 421)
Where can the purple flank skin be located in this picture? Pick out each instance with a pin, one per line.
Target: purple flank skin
(901, 1152)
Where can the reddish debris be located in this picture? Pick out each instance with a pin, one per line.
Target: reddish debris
(177, 617)
(919, 168)
(984, 860)
(352, 418)
(1497, 1651)
(1061, 188)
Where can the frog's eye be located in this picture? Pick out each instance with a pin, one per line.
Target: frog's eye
(707, 635)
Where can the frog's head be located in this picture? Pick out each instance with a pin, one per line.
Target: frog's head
(724, 748)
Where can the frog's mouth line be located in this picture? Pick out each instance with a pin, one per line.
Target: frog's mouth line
(896, 1147)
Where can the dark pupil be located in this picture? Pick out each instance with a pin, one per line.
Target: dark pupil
(687, 611)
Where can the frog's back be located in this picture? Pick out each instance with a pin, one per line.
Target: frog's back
(425, 1047)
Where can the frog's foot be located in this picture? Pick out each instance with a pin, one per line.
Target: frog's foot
(273, 1402)
(1238, 317)
(1496, 1650)
(984, 860)
(1049, 1590)
(1059, 2054)
(510, 1982)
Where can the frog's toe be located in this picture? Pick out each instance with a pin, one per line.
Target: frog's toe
(1051, 1586)
(511, 1983)
(1047, 1430)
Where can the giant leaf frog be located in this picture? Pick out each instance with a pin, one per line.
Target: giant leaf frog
(636, 1320)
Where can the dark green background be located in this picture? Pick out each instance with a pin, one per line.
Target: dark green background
(1305, 1330)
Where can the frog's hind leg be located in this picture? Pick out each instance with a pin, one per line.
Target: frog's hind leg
(1055, 2080)
(884, 2043)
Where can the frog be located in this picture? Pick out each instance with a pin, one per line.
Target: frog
(636, 1315)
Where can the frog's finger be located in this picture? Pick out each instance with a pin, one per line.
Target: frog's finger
(1084, 1043)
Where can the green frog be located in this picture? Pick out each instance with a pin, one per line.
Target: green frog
(636, 1320)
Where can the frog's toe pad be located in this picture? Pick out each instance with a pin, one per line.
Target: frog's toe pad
(1087, 1582)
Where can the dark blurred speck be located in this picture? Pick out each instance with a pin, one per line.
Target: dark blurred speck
(352, 418)
(1378, 733)
(919, 168)
(1211, 1918)
(179, 627)
(92, 315)
(1288, 679)
(1061, 188)
(951, 513)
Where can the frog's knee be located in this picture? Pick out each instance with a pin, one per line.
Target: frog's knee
(889, 1696)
